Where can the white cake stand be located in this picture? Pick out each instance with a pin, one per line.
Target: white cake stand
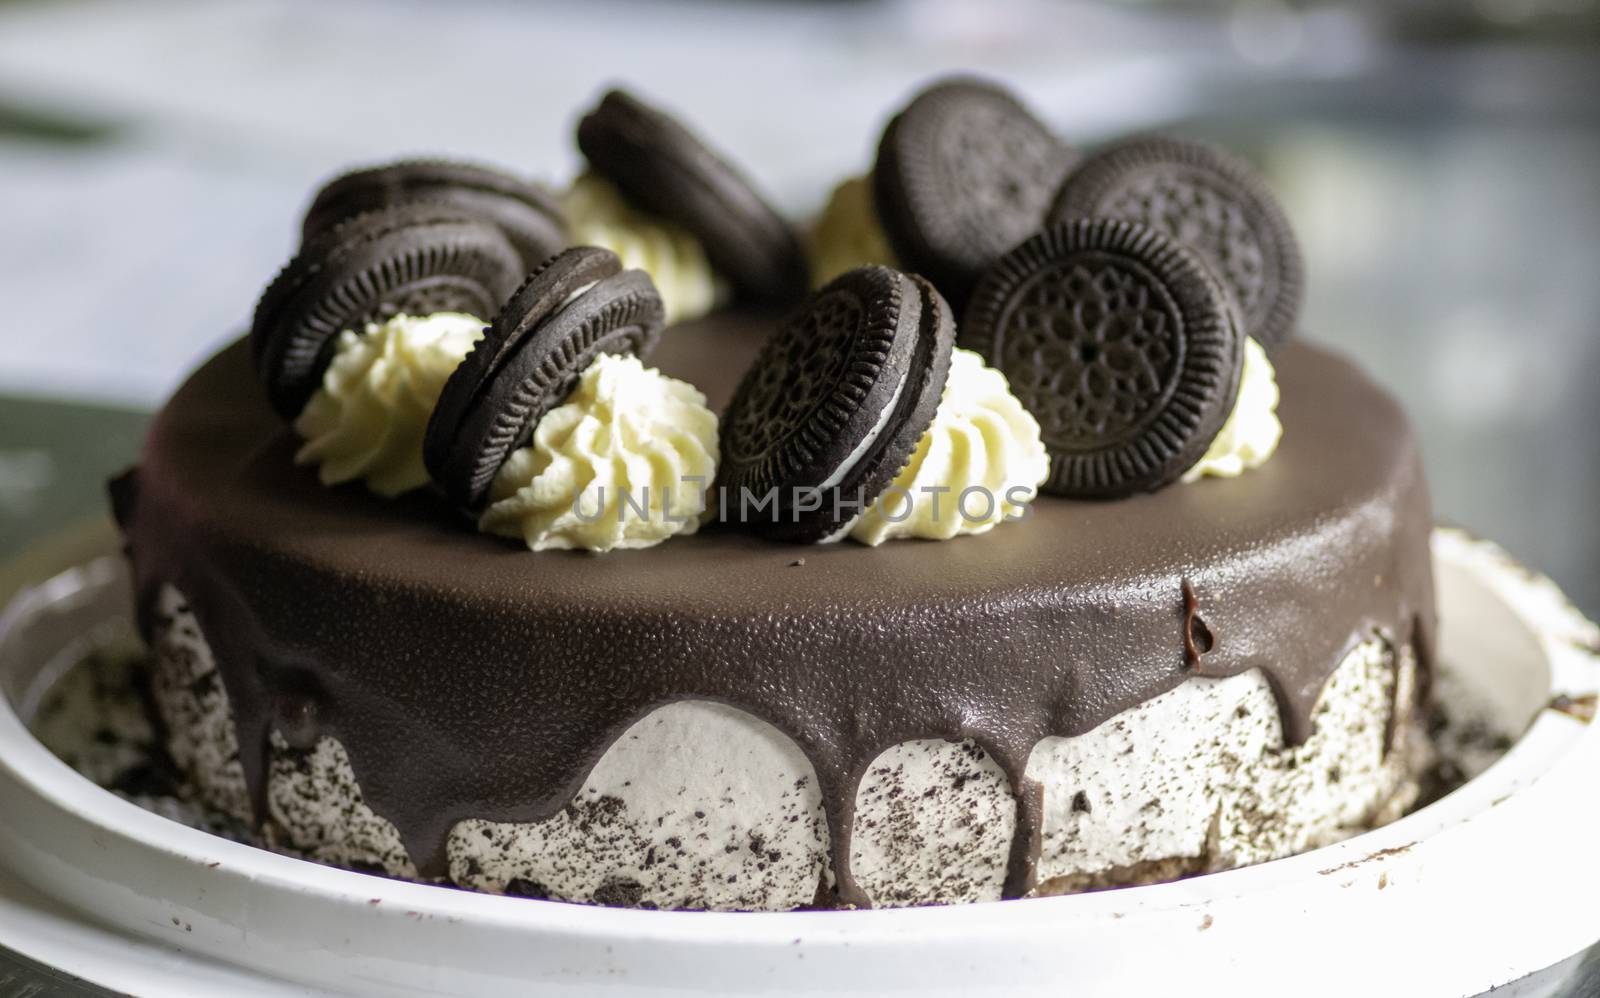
(1492, 883)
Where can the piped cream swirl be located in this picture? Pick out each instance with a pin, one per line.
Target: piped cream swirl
(598, 215)
(848, 234)
(1252, 430)
(980, 462)
(367, 419)
(624, 463)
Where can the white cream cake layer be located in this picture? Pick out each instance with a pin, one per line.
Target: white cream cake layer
(701, 805)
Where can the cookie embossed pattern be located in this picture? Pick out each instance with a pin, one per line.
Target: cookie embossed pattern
(1209, 201)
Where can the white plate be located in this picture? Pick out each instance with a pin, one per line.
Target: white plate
(1493, 882)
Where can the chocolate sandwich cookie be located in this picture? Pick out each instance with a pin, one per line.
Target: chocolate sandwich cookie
(963, 174)
(1211, 202)
(415, 258)
(835, 404)
(523, 210)
(575, 307)
(1120, 342)
(663, 168)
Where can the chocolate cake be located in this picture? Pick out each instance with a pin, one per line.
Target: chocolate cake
(1131, 680)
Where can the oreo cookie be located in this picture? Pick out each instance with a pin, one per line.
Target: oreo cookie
(1211, 202)
(1120, 342)
(523, 210)
(963, 174)
(415, 258)
(834, 405)
(570, 310)
(663, 168)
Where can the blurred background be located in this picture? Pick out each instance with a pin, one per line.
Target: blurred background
(1441, 161)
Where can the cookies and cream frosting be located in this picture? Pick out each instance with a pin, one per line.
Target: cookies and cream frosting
(730, 618)
(367, 419)
(848, 234)
(624, 463)
(598, 215)
(978, 464)
(1252, 430)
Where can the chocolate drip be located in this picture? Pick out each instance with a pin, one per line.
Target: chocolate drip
(1197, 639)
(1022, 866)
(467, 677)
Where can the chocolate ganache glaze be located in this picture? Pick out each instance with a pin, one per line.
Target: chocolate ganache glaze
(469, 678)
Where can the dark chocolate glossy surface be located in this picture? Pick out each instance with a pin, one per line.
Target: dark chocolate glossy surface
(468, 677)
